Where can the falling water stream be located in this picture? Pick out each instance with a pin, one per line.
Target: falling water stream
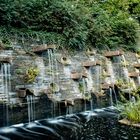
(84, 92)
(6, 85)
(31, 108)
(89, 80)
(67, 71)
(110, 71)
(54, 76)
(115, 95)
(98, 74)
(111, 98)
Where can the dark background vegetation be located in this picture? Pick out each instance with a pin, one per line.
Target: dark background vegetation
(72, 24)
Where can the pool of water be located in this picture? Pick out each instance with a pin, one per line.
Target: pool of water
(99, 124)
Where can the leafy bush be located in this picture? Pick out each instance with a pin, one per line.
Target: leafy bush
(72, 24)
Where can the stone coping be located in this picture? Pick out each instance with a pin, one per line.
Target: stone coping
(89, 63)
(76, 75)
(129, 123)
(43, 47)
(134, 74)
(107, 86)
(6, 59)
(137, 65)
(113, 53)
(99, 94)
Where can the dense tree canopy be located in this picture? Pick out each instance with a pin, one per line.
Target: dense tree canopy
(75, 24)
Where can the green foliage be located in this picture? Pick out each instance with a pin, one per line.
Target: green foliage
(112, 30)
(136, 92)
(131, 111)
(31, 75)
(124, 85)
(54, 87)
(72, 24)
(81, 87)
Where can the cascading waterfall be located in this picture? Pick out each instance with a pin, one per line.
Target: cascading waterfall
(125, 70)
(56, 68)
(111, 98)
(2, 78)
(54, 78)
(75, 87)
(53, 66)
(111, 72)
(98, 74)
(91, 104)
(6, 80)
(67, 71)
(9, 77)
(115, 95)
(50, 64)
(138, 78)
(54, 110)
(69, 110)
(89, 80)
(84, 91)
(6, 85)
(133, 99)
(31, 108)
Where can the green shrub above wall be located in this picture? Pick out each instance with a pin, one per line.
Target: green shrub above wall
(73, 24)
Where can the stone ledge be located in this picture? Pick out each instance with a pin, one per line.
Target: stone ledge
(6, 59)
(107, 86)
(134, 74)
(113, 53)
(137, 65)
(89, 63)
(76, 75)
(44, 47)
(129, 123)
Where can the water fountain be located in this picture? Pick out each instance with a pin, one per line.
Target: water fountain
(67, 85)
